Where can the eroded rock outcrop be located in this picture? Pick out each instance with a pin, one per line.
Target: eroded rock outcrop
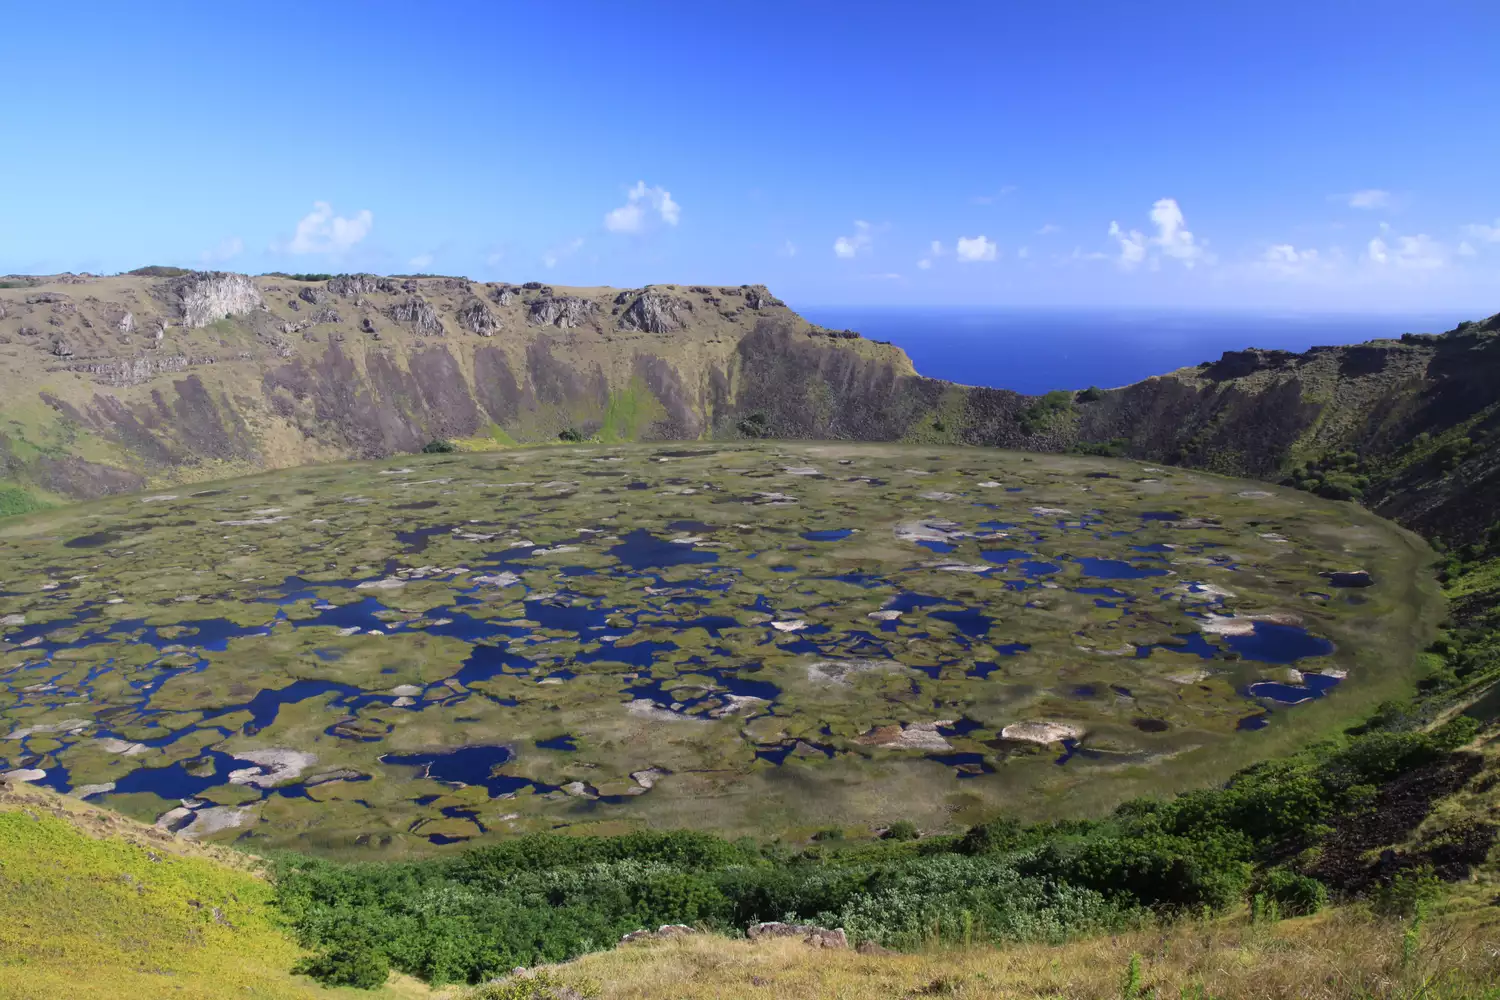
(477, 319)
(417, 313)
(561, 311)
(656, 312)
(351, 285)
(209, 296)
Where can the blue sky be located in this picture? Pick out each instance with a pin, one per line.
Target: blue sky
(1287, 155)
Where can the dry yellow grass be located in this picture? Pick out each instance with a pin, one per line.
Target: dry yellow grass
(1344, 953)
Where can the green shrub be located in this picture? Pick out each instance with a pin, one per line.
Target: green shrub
(571, 435)
(1039, 415)
(756, 425)
(1294, 895)
(439, 447)
(15, 500)
(1407, 894)
(1092, 394)
(357, 965)
(902, 829)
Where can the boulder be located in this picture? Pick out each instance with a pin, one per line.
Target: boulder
(563, 311)
(504, 295)
(329, 315)
(367, 325)
(206, 297)
(477, 319)
(655, 312)
(61, 349)
(758, 297)
(417, 313)
(811, 934)
(313, 295)
(350, 285)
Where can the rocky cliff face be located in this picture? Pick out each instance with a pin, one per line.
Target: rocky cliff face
(109, 384)
(112, 383)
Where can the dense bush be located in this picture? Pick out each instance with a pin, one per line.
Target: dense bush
(1295, 895)
(1039, 415)
(546, 898)
(571, 435)
(438, 447)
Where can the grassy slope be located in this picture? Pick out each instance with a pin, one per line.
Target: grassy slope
(95, 905)
(1338, 954)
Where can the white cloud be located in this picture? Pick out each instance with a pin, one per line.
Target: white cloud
(1048, 229)
(633, 216)
(1024, 253)
(1411, 253)
(1286, 259)
(320, 231)
(1368, 198)
(1172, 239)
(976, 248)
(788, 249)
(1487, 234)
(1171, 234)
(884, 276)
(551, 257)
(1132, 245)
(1466, 249)
(860, 242)
(420, 262)
(937, 248)
(226, 250)
(924, 264)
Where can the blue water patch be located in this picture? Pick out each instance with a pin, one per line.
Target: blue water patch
(1251, 723)
(1161, 515)
(566, 742)
(828, 535)
(938, 547)
(969, 621)
(1273, 643)
(472, 765)
(1116, 569)
(1004, 555)
(1036, 568)
(640, 549)
(1312, 686)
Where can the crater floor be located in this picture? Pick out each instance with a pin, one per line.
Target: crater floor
(758, 637)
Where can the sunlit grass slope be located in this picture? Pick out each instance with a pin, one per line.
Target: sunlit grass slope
(93, 905)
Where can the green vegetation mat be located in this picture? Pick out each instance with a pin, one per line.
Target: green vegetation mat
(763, 639)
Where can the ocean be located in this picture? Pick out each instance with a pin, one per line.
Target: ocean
(1034, 350)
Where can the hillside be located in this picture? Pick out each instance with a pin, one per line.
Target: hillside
(93, 904)
(110, 384)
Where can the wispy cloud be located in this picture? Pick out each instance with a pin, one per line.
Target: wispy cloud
(1409, 253)
(1369, 198)
(1484, 233)
(321, 231)
(420, 262)
(788, 249)
(990, 199)
(551, 257)
(1048, 229)
(860, 242)
(641, 202)
(227, 249)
